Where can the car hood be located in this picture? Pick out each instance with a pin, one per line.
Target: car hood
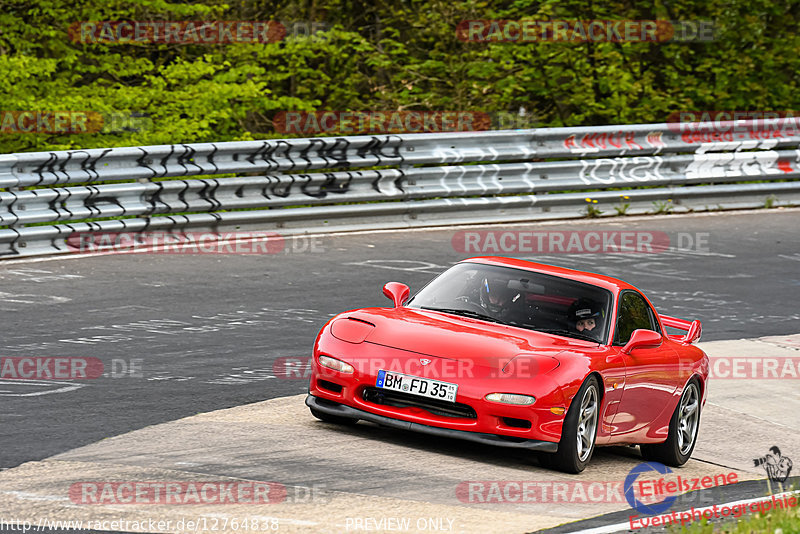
(458, 338)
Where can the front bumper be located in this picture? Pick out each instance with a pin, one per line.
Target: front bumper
(334, 408)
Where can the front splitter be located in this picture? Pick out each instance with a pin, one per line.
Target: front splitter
(341, 410)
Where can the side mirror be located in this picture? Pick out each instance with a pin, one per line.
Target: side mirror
(398, 293)
(642, 339)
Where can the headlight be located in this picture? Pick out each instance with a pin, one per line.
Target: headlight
(511, 398)
(336, 365)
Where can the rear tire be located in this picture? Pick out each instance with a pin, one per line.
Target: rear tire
(683, 427)
(333, 419)
(579, 432)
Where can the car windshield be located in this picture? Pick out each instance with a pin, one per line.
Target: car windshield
(520, 298)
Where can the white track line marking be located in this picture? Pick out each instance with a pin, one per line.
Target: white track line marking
(749, 415)
(34, 496)
(68, 386)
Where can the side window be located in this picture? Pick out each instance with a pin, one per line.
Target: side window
(634, 313)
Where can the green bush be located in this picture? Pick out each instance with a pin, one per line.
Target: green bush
(386, 56)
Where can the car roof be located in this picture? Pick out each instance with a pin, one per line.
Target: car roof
(612, 284)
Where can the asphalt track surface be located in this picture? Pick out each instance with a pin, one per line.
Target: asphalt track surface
(202, 332)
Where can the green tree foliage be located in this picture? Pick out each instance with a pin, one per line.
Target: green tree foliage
(385, 55)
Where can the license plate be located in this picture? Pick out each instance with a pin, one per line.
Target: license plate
(415, 385)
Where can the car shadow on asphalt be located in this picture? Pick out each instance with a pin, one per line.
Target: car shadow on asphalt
(603, 457)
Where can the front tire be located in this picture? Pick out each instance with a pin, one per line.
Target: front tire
(579, 432)
(333, 419)
(683, 428)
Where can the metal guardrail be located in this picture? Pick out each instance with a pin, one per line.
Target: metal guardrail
(324, 184)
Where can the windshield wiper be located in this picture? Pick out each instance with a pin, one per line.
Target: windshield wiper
(466, 313)
(568, 333)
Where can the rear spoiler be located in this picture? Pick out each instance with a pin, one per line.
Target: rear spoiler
(693, 329)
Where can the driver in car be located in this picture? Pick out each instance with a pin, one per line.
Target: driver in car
(585, 317)
(502, 302)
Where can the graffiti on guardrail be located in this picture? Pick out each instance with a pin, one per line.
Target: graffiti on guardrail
(711, 165)
(612, 170)
(384, 179)
(620, 140)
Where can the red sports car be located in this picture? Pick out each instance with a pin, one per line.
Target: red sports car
(517, 354)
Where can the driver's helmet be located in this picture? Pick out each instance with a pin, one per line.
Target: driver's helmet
(584, 310)
(495, 294)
